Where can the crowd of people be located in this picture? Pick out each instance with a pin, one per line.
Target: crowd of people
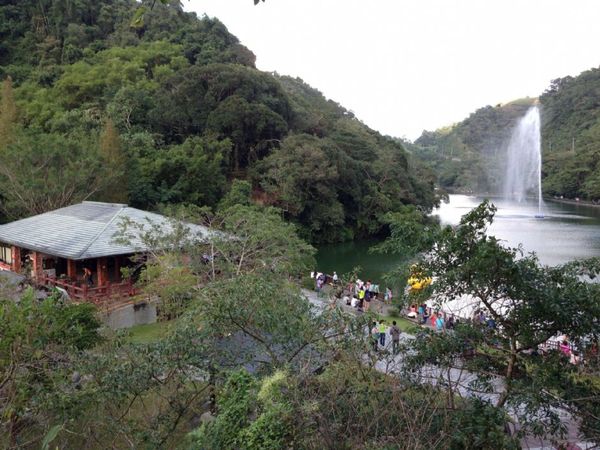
(358, 294)
(569, 350)
(438, 320)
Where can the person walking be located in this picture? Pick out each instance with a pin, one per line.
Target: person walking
(450, 323)
(433, 319)
(361, 298)
(374, 336)
(421, 314)
(425, 314)
(439, 322)
(382, 332)
(395, 333)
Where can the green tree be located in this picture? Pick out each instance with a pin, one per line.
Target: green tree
(262, 241)
(332, 409)
(529, 304)
(141, 395)
(241, 397)
(239, 193)
(274, 322)
(193, 172)
(252, 128)
(95, 81)
(42, 172)
(237, 241)
(8, 113)
(115, 161)
(39, 342)
(301, 178)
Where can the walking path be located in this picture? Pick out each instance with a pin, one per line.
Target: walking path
(461, 381)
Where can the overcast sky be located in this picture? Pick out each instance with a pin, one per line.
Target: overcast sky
(404, 66)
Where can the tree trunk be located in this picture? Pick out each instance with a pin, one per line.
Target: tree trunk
(509, 374)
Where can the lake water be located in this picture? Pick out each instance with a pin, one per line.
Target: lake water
(567, 232)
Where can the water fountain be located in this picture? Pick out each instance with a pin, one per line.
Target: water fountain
(524, 163)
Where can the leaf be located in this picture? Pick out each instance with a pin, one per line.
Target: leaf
(50, 436)
(138, 18)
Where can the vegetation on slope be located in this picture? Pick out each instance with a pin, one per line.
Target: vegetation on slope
(571, 136)
(171, 111)
(469, 156)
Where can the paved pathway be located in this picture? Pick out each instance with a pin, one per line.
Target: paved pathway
(460, 380)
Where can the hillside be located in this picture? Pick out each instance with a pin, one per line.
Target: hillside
(469, 156)
(172, 111)
(571, 136)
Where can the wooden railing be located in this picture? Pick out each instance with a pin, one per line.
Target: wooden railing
(96, 294)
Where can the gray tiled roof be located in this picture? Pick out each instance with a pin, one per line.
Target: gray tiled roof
(85, 230)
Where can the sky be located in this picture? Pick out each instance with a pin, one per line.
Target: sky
(404, 66)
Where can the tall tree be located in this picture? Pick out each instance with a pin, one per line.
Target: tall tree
(41, 172)
(8, 113)
(116, 161)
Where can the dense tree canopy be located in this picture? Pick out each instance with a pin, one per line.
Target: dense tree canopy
(571, 132)
(191, 114)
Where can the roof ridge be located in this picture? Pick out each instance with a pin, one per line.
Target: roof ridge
(95, 238)
(92, 202)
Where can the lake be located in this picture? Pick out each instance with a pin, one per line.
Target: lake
(567, 232)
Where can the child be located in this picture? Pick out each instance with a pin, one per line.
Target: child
(388, 295)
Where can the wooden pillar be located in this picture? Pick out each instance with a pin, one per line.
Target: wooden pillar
(101, 271)
(16, 259)
(72, 269)
(38, 267)
(117, 269)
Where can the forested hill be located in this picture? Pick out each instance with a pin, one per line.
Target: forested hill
(469, 156)
(173, 111)
(571, 136)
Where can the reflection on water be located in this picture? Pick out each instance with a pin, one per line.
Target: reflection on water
(345, 256)
(567, 232)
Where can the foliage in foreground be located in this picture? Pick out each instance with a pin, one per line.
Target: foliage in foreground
(241, 240)
(38, 343)
(345, 407)
(275, 372)
(309, 387)
(524, 305)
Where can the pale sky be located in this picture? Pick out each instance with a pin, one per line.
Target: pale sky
(403, 66)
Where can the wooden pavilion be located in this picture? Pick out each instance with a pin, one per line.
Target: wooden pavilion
(56, 248)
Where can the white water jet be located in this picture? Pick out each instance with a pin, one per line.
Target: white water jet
(524, 163)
